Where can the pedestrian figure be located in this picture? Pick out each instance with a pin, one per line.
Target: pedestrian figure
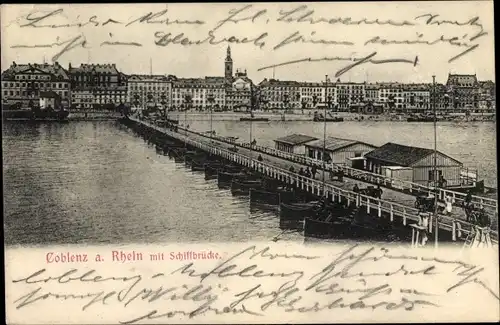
(292, 170)
(307, 173)
(259, 158)
(423, 222)
(448, 204)
(355, 189)
(314, 170)
(301, 171)
(379, 192)
(468, 199)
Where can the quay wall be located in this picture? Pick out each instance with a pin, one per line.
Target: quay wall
(93, 116)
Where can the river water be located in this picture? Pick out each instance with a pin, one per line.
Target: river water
(97, 183)
(474, 144)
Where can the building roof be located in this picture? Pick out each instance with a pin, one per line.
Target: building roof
(334, 143)
(145, 77)
(295, 139)
(56, 70)
(462, 80)
(401, 155)
(95, 68)
(278, 83)
(207, 82)
(417, 87)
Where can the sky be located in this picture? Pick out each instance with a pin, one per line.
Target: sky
(327, 40)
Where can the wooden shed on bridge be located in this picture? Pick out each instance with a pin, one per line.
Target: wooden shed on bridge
(293, 143)
(420, 160)
(338, 150)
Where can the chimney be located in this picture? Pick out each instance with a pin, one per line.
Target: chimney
(70, 65)
(14, 64)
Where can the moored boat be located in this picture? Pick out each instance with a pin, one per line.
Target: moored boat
(328, 119)
(254, 119)
(262, 196)
(197, 166)
(243, 187)
(298, 211)
(225, 179)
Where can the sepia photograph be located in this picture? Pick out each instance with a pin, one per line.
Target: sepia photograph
(250, 162)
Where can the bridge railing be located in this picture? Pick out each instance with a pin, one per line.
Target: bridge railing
(363, 175)
(370, 203)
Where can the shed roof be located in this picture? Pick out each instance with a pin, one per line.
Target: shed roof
(295, 139)
(400, 155)
(334, 143)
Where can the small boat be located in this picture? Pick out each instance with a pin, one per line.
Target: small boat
(328, 119)
(286, 196)
(420, 118)
(224, 178)
(261, 196)
(197, 166)
(326, 229)
(318, 117)
(211, 171)
(238, 187)
(298, 211)
(189, 159)
(254, 119)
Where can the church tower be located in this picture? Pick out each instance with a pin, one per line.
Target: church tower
(228, 64)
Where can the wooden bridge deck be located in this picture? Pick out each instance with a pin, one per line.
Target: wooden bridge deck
(393, 202)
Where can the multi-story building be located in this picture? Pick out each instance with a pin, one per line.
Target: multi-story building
(280, 94)
(241, 94)
(283, 94)
(107, 85)
(82, 99)
(372, 92)
(463, 91)
(391, 95)
(228, 92)
(416, 98)
(22, 84)
(202, 92)
(145, 91)
(349, 94)
(487, 96)
(312, 93)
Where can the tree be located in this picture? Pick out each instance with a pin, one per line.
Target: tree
(315, 100)
(164, 103)
(391, 103)
(188, 100)
(136, 100)
(304, 104)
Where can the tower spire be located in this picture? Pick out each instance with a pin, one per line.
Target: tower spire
(228, 64)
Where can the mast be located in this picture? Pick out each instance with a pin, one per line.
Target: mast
(324, 135)
(150, 66)
(251, 120)
(436, 190)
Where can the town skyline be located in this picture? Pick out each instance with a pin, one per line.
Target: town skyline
(142, 41)
(343, 79)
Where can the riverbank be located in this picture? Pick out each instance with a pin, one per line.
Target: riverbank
(308, 116)
(93, 116)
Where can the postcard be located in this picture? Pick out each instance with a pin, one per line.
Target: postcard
(250, 163)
